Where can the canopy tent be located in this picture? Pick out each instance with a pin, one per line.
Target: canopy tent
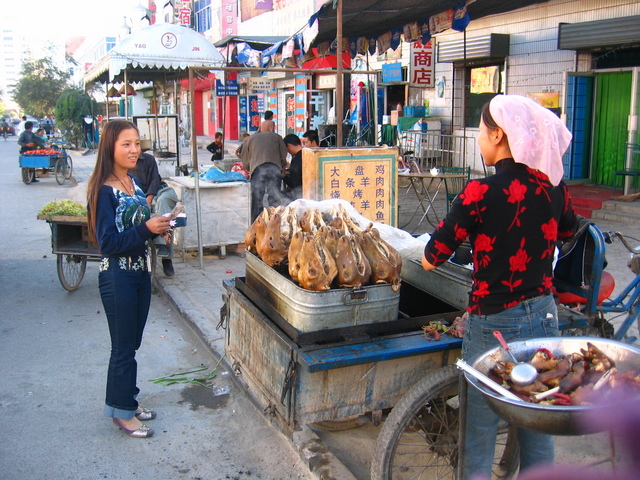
(162, 50)
(159, 52)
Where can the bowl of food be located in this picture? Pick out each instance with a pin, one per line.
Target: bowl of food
(576, 375)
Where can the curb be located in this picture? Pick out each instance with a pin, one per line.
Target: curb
(320, 461)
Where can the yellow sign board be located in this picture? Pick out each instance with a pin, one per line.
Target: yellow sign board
(364, 176)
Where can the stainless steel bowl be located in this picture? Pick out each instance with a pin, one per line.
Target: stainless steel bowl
(550, 419)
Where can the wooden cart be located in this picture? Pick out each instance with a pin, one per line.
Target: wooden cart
(70, 242)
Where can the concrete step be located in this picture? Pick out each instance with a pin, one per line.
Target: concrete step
(627, 213)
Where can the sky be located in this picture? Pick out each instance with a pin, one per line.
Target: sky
(69, 18)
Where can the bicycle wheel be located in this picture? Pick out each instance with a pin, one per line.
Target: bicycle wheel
(71, 270)
(185, 147)
(419, 439)
(61, 170)
(28, 174)
(69, 171)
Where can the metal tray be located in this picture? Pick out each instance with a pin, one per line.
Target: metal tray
(309, 311)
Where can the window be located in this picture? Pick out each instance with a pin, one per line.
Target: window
(110, 43)
(203, 15)
(473, 87)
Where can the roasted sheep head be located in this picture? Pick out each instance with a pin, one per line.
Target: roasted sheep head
(331, 236)
(272, 247)
(385, 260)
(354, 269)
(295, 248)
(256, 231)
(317, 266)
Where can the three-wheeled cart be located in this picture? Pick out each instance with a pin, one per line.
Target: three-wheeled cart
(70, 242)
(334, 376)
(56, 161)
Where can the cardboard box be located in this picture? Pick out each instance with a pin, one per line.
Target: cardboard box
(394, 116)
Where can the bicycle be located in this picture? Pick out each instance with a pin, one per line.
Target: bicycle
(592, 295)
(420, 436)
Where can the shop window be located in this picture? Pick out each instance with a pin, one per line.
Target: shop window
(473, 87)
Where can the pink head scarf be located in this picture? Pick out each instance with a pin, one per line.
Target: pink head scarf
(537, 137)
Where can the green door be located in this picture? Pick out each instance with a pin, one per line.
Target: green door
(613, 99)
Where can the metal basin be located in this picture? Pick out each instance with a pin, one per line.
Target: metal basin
(550, 419)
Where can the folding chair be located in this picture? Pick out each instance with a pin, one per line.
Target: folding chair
(453, 186)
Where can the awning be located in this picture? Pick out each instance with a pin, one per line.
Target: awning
(372, 18)
(256, 42)
(156, 50)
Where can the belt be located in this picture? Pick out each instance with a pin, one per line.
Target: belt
(139, 263)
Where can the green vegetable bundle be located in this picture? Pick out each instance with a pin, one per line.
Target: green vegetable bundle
(67, 208)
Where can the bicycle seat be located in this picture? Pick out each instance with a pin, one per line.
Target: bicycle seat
(607, 284)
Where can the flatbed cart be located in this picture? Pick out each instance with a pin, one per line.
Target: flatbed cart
(70, 242)
(57, 161)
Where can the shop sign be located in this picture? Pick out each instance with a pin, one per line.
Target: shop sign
(326, 81)
(392, 73)
(364, 178)
(231, 88)
(258, 84)
(254, 113)
(421, 71)
(243, 111)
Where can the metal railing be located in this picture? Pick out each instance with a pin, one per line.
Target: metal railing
(432, 149)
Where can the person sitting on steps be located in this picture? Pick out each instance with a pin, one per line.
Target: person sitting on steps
(162, 198)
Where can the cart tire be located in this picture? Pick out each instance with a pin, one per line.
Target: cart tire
(420, 437)
(28, 174)
(71, 270)
(60, 169)
(69, 171)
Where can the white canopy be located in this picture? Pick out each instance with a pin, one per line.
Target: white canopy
(159, 47)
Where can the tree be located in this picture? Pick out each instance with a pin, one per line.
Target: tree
(39, 87)
(72, 106)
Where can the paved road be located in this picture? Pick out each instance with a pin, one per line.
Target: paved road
(54, 349)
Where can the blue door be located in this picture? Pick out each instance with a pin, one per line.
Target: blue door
(579, 110)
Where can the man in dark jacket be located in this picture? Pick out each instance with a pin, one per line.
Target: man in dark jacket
(293, 176)
(29, 140)
(162, 197)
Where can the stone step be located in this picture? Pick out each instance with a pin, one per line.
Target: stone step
(631, 219)
(623, 207)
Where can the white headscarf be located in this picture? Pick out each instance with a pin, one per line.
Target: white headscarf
(537, 137)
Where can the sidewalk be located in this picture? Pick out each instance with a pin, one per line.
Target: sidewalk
(197, 294)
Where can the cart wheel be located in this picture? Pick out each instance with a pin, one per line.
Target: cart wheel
(71, 270)
(69, 171)
(28, 174)
(61, 169)
(419, 439)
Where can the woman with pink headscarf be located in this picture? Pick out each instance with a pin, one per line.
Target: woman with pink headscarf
(513, 220)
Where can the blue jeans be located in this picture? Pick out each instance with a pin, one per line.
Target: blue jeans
(528, 319)
(126, 296)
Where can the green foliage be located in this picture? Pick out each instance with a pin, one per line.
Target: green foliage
(40, 85)
(72, 106)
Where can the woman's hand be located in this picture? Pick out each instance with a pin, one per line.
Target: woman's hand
(158, 225)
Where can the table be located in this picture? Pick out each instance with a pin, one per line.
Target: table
(421, 182)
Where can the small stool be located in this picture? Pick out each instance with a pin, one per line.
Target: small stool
(635, 173)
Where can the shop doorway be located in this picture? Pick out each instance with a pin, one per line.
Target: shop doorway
(598, 108)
